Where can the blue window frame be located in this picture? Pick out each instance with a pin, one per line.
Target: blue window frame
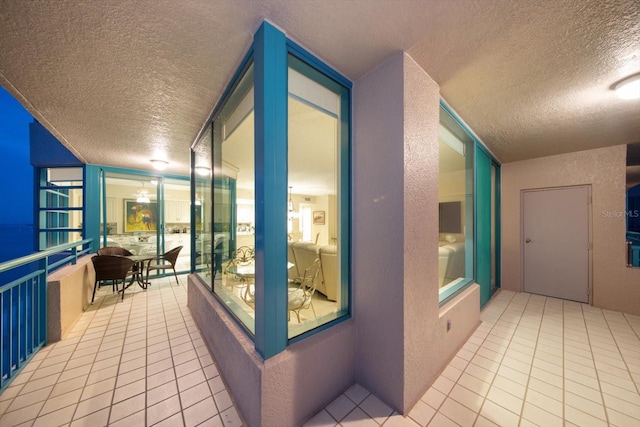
(61, 194)
(263, 213)
(469, 193)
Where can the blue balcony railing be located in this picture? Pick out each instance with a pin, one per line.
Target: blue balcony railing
(23, 305)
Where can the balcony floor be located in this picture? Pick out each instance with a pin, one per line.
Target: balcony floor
(533, 361)
(134, 363)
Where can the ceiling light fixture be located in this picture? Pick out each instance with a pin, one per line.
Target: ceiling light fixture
(628, 88)
(203, 170)
(159, 164)
(142, 196)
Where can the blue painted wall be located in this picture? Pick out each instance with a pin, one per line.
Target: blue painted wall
(16, 180)
(16, 185)
(47, 151)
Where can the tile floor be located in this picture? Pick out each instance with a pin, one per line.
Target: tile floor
(134, 363)
(534, 361)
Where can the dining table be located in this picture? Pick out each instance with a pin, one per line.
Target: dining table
(244, 271)
(138, 272)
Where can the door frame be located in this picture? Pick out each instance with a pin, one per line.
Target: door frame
(590, 233)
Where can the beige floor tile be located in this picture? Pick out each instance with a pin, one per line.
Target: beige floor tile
(340, 407)
(27, 399)
(163, 410)
(22, 415)
(61, 401)
(466, 397)
(421, 413)
(199, 412)
(166, 391)
(56, 418)
(99, 418)
(506, 400)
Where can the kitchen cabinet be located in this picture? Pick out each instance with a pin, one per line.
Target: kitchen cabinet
(112, 209)
(177, 211)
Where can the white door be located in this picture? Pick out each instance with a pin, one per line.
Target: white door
(556, 242)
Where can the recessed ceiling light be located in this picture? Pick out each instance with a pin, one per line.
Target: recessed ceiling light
(159, 164)
(628, 88)
(203, 170)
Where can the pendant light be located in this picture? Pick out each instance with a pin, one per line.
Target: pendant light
(142, 196)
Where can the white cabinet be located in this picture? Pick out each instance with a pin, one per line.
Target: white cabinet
(177, 211)
(112, 209)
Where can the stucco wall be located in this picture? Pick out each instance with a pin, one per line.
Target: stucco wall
(402, 342)
(615, 286)
(378, 229)
(287, 389)
(69, 291)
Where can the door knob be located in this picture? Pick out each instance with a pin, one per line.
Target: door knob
(528, 241)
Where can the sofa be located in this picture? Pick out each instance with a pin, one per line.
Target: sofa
(303, 254)
(451, 262)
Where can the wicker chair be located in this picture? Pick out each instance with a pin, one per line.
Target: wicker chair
(114, 250)
(164, 262)
(111, 267)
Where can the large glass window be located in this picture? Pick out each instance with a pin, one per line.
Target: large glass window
(316, 132)
(207, 262)
(278, 249)
(456, 207)
(147, 215)
(60, 206)
(233, 241)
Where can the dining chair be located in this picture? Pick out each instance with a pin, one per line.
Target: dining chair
(164, 262)
(111, 267)
(117, 250)
(114, 250)
(301, 297)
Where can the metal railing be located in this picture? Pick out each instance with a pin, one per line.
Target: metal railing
(23, 305)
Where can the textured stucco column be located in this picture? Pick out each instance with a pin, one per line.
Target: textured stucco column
(402, 342)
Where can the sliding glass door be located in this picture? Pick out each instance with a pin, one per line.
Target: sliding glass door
(147, 215)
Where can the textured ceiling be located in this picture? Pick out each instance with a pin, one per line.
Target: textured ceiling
(121, 82)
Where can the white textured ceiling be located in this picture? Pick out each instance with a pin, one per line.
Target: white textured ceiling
(120, 82)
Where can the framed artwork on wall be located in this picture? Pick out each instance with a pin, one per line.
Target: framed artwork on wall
(140, 216)
(318, 217)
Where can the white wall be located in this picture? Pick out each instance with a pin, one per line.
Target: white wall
(615, 286)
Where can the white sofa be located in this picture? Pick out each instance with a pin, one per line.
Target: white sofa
(450, 262)
(302, 255)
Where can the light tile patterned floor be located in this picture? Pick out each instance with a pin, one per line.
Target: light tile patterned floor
(534, 361)
(134, 363)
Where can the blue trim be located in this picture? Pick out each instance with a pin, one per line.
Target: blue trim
(306, 57)
(320, 328)
(344, 193)
(192, 213)
(498, 225)
(271, 55)
(483, 224)
(480, 275)
(271, 133)
(454, 291)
